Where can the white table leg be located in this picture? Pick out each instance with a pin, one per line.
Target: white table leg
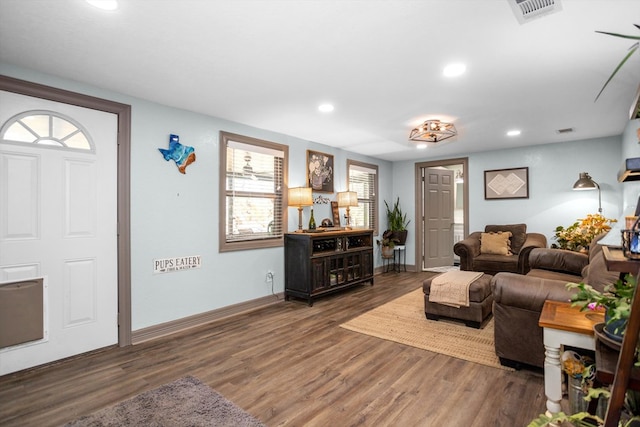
(552, 378)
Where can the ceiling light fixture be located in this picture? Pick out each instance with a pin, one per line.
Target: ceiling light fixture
(104, 4)
(513, 133)
(454, 70)
(433, 131)
(325, 108)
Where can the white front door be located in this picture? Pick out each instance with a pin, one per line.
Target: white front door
(58, 220)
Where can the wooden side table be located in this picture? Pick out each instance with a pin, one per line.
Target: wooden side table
(563, 325)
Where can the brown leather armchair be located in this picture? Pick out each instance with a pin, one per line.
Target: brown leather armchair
(472, 259)
(518, 299)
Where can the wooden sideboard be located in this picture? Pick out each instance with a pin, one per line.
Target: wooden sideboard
(320, 263)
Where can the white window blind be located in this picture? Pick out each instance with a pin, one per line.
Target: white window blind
(363, 179)
(254, 183)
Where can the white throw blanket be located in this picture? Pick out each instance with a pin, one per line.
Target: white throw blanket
(452, 288)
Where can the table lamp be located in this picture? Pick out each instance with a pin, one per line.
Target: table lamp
(346, 199)
(300, 197)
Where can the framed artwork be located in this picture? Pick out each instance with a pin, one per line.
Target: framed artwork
(320, 171)
(506, 184)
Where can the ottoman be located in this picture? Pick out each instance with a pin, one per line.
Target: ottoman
(480, 303)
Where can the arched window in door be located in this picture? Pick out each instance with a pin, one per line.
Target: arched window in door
(46, 128)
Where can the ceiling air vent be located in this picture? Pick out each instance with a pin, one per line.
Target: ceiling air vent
(526, 10)
(565, 130)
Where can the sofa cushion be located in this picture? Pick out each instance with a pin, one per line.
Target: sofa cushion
(597, 275)
(497, 243)
(518, 234)
(491, 263)
(554, 275)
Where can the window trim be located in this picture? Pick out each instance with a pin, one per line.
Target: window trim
(375, 184)
(223, 245)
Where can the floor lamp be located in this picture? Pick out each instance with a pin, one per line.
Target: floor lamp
(300, 197)
(585, 182)
(347, 199)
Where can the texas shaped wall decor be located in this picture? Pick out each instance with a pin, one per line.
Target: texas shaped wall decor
(183, 155)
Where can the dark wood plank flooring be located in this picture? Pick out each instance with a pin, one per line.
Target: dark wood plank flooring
(289, 364)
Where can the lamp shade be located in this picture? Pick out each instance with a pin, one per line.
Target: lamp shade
(585, 182)
(300, 196)
(347, 198)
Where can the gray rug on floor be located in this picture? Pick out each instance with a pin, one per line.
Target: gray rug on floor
(185, 402)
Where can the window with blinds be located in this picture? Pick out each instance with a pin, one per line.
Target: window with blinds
(252, 205)
(363, 179)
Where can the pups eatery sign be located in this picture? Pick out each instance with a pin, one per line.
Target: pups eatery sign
(167, 265)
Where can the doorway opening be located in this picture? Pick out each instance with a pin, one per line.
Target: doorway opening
(442, 211)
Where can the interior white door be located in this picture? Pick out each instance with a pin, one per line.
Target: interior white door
(438, 214)
(58, 220)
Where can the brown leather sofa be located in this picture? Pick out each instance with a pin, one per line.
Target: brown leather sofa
(518, 299)
(472, 259)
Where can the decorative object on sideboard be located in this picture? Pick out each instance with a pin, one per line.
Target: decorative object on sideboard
(300, 197)
(585, 182)
(347, 199)
(321, 200)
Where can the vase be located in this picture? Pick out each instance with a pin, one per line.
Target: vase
(614, 329)
(387, 252)
(400, 236)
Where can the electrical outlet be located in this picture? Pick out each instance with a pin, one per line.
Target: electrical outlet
(269, 278)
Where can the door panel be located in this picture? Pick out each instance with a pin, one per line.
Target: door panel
(58, 220)
(438, 217)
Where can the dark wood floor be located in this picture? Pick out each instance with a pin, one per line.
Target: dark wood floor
(289, 364)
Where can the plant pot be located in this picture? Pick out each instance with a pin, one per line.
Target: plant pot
(400, 236)
(615, 329)
(387, 252)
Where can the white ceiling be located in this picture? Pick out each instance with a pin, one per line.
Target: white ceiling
(269, 64)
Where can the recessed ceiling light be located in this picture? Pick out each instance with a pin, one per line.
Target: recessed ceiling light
(325, 108)
(104, 4)
(513, 133)
(421, 146)
(454, 70)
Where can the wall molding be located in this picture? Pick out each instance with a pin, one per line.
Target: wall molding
(168, 328)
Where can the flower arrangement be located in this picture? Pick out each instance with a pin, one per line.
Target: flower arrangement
(578, 236)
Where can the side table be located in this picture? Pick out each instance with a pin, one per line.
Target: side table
(401, 251)
(563, 325)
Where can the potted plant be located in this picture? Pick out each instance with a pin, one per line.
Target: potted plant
(387, 243)
(397, 221)
(615, 300)
(579, 235)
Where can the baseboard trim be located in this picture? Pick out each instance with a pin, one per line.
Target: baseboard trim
(167, 328)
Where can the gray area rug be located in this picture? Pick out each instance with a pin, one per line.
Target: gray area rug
(184, 402)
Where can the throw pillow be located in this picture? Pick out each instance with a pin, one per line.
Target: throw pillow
(497, 243)
(518, 234)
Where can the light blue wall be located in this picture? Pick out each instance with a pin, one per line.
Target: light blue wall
(553, 169)
(162, 197)
(631, 148)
